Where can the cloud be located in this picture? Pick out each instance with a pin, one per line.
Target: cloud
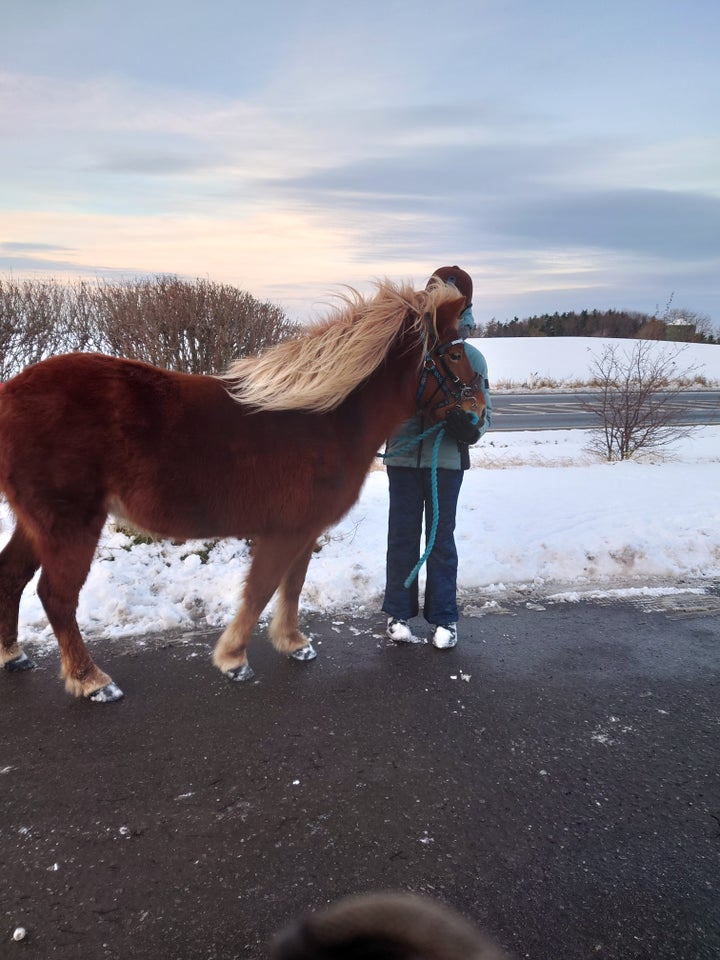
(664, 224)
(11, 247)
(27, 265)
(335, 148)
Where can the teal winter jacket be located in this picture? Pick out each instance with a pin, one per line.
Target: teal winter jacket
(452, 455)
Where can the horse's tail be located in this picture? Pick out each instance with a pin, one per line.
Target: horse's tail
(385, 926)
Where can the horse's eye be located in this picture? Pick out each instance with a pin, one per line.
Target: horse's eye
(455, 356)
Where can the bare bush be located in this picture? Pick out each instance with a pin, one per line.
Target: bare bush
(636, 400)
(193, 327)
(35, 321)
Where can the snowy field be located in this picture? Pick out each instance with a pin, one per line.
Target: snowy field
(518, 361)
(538, 516)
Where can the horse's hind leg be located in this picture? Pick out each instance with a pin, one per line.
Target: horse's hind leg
(271, 558)
(18, 564)
(65, 566)
(284, 632)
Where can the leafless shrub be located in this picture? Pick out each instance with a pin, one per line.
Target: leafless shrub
(35, 322)
(635, 403)
(193, 327)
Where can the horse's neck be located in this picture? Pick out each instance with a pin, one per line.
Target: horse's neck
(386, 400)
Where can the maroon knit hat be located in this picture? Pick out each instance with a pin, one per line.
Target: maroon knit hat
(459, 278)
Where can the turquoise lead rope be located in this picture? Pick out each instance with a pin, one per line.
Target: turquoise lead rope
(435, 506)
(440, 428)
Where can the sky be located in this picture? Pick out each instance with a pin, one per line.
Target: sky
(597, 534)
(566, 154)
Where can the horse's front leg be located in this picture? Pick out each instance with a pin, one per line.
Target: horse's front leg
(284, 632)
(272, 556)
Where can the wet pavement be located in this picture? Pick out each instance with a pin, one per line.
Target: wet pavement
(555, 777)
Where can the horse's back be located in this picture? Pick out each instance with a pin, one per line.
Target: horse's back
(173, 453)
(66, 423)
(77, 393)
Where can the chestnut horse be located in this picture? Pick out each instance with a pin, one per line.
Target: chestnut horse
(275, 450)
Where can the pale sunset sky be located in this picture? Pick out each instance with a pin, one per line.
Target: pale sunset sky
(565, 153)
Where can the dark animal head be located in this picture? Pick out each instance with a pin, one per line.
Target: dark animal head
(448, 380)
(385, 926)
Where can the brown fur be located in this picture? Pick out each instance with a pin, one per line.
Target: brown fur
(384, 926)
(82, 435)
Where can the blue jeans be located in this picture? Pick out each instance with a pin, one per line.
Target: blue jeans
(410, 500)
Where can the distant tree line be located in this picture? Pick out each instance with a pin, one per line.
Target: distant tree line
(192, 326)
(675, 325)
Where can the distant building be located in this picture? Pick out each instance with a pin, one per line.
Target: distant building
(680, 329)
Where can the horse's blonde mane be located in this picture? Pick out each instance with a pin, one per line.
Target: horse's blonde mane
(317, 370)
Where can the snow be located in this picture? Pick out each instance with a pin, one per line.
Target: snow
(568, 360)
(539, 516)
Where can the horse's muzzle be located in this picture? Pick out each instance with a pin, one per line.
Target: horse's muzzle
(470, 398)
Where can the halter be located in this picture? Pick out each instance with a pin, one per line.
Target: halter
(453, 389)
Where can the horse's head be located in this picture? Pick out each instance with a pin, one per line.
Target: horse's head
(447, 380)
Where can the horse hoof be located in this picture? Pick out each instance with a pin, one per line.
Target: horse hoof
(308, 652)
(240, 674)
(107, 694)
(19, 664)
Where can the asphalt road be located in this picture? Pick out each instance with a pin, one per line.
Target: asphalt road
(555, 777)
(564, 411)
